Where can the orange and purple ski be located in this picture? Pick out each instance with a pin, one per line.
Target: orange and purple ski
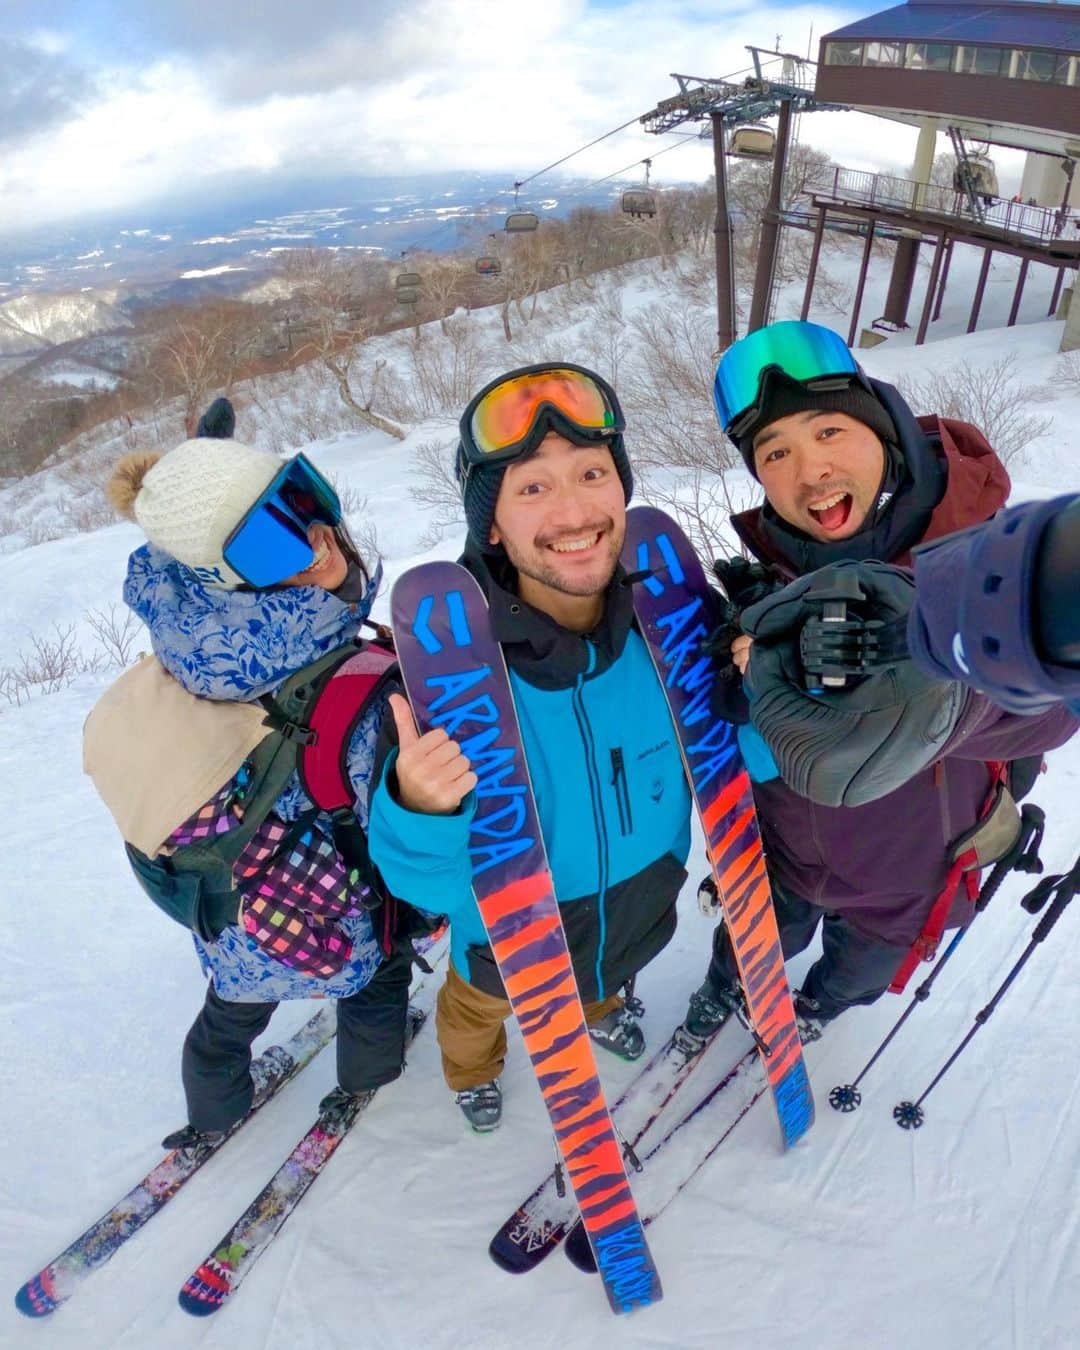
(676, 610)
(456, 678)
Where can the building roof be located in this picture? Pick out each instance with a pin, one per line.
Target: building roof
(1052, 27)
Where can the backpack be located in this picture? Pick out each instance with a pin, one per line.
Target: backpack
(306, 726)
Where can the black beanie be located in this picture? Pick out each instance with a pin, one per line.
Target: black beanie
(480, 488)
(784, 396)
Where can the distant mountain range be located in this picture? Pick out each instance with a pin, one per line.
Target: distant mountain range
(221, 249)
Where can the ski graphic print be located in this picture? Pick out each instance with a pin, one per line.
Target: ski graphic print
(673, 604)
(216, 1280)
(544, 1217)
(456, 678)
(55, 1283)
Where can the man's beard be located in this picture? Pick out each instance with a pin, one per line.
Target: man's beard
(533, 566)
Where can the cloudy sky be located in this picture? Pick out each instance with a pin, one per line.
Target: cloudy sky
(106, 104)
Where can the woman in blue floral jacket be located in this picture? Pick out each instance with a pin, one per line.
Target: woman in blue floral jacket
(211, 507)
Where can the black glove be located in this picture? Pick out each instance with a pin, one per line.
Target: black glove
(851, 746)
(744, 582)
(218, 422)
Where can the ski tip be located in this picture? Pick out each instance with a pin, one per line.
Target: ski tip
(204, 1292)
(34, 1298)
(506, 1255)
(578, 1250)
(196, 1304)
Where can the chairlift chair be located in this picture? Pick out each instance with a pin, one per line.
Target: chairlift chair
(407, 287)
(521, 222)
(752, 142)
(488, 266)
(639, 202)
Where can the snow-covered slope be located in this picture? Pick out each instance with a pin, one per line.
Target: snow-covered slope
(61, 318)
(963, 1236)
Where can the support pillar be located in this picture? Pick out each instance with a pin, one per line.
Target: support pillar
(1018, 293)
(907, 250)
(770, 224)
(901, 281)
(726, 322)
(931, 291)
(1070, 339)
(861, 285)
(980, 288)
(808, 294)
(1055, 295)
(944, 281)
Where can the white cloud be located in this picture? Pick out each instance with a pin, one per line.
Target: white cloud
(485, 86)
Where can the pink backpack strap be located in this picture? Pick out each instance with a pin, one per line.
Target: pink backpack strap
(339, 706)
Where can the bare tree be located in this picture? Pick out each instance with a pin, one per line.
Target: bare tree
(116, 633)
(435, 488)
(336, 298)
(199, 350)
(444, 288)
(991, 397)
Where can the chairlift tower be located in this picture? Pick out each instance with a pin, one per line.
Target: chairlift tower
(728, 106)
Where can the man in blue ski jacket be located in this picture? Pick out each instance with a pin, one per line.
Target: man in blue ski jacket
(545, 481)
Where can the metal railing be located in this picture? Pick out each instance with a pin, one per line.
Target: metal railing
(1041, 223)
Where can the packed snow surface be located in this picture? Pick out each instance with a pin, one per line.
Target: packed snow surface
(962, 1236)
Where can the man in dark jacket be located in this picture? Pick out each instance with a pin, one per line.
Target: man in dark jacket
(867, 828)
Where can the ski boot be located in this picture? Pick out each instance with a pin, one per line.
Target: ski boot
(339, 1108)
(190, 1140)
(482, 1106)
(807, 1017)
(620, 1031)
(708, 1010)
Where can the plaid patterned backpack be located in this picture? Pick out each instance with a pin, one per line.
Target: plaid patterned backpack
(310, 722)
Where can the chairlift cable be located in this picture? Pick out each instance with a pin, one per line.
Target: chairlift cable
(655, 155)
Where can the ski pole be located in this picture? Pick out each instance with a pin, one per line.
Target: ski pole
(1022, 857)
(910, 1115)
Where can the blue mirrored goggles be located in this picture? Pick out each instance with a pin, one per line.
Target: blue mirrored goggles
(270, 542)
(814, 356)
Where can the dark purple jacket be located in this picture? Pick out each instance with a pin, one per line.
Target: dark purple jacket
(884, 864)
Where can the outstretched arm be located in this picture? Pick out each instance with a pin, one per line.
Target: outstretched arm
(998, 606)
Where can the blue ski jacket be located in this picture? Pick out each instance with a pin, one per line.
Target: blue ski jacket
(612, 797)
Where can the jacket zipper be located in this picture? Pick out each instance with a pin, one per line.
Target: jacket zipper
(622, 790)
(593, 772)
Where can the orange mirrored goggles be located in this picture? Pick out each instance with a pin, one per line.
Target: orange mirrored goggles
(512, 415)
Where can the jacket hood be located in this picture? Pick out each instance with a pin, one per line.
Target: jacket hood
(537, 648)
(236, 644)
(951, 479)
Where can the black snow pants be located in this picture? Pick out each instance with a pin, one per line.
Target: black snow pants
(852, 968)
(217, 1051)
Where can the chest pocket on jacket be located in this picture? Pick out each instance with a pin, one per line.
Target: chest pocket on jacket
(622, 790)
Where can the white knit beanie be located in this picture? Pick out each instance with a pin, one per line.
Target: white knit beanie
(191, 499)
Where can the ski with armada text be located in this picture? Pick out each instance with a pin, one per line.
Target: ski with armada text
(55, 1283)
(677, 611)
(456, 678)
(661, 1190)
(217, 1279)
(546, 1215)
